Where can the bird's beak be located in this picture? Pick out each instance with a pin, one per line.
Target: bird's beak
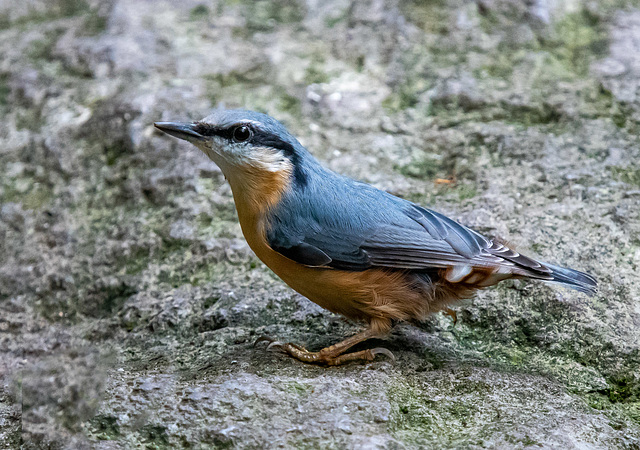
(180, 130)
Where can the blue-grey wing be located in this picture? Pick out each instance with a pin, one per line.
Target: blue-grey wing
(364, 227)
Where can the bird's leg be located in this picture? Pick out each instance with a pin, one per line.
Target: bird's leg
(334, 355)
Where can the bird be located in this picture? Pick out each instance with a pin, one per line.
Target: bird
(351, 248)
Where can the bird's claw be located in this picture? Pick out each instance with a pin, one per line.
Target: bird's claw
(385, 352)
(262, 339)
(275, 345)
(271, 343)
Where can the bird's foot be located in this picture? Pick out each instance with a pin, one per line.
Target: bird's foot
(330, 356)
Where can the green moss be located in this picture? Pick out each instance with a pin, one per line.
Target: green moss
(68, 8)
(42, 49)
(290, 104)
(181, 263)
(579, 38)
(555, 61)
(115, 148)
(537, 114)
(633, 411)
(426, 168)
(418, 419)
(522, 343)
(575, 41)
(5, 21)
(537, 247)
(597, 401)
(136, 262)
(30, 193)
(455, 162)
(300, 389)
(624, 389)
(453, 113)
(220, 81)
(628, 174)
(5, 90)
(266, 16)
(29, 118)
(37, 197)
(40, 52)
(314, 73)
(199, 12)
(158, 258)
(94, 24)
(465, 191)
(412, 412)
(155, 437)
(417, 78)
(56, 9)
(105, 428)
(407, 93)
(210, 301)
(432, 16)
(340, 17)
(618, 412)
(220, 223)
(597, 101)
(501, 65)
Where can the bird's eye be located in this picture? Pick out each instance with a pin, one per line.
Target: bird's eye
(242, 133)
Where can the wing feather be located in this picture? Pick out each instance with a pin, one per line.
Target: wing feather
(365, 227)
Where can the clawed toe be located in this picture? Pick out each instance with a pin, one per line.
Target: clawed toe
(272, 344)
(262, 339)
(383, 351)
(331, 356)
(275, 345)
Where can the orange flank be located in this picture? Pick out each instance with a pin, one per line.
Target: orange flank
(377, 296)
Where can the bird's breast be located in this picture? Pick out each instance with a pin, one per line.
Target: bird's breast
(374, 295)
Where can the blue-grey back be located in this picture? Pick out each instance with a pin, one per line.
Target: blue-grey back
(356, 225)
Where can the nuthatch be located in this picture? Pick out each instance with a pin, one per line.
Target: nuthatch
(350, 248)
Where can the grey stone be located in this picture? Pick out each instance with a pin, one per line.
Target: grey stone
(130, 301)
(182, 230)
(619, 70)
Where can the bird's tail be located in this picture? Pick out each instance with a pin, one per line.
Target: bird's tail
(573, 279)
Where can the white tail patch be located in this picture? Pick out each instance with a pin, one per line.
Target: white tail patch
(457, 273)
(477, 276)
(492, 279)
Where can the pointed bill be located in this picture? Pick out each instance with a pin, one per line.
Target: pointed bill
(182, 130)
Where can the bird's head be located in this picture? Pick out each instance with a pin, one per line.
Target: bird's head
(243, 143)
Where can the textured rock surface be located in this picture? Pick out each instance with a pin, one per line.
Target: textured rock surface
(129, 301)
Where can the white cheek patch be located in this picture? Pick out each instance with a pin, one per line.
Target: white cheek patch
(238, 156)
(267, 159)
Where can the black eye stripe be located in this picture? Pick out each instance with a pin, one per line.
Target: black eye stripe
(264, 139)
(260, 138)
(207, 130)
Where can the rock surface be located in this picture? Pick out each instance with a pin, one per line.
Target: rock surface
(129, 300)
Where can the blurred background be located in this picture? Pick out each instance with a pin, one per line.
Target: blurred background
(129, 300)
